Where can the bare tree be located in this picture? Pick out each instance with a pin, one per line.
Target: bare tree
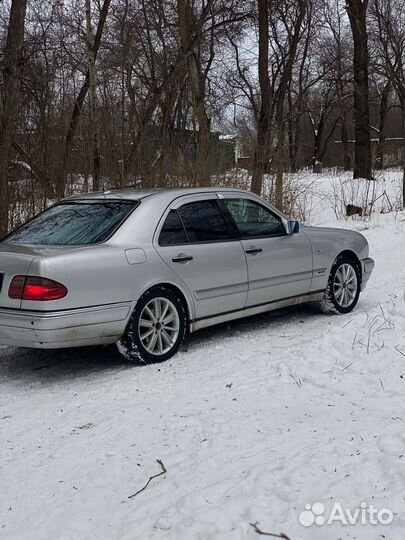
(262, 150)
(279, 31)
(189, 23)
(91, 56)
(383, 92)
(338, 52)
(12, 71)
(357, 12)
(136, 95)
(79, 100)
(390, 19)
(292, 16)
(320, 112)
(304, 77)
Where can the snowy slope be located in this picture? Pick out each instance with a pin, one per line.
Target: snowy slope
(252, 420)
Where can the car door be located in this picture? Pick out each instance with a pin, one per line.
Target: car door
(279, 263)
(195, 240)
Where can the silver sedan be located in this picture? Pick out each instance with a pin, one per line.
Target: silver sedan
(144, 268)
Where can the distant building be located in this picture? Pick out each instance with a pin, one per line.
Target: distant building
(242, 159)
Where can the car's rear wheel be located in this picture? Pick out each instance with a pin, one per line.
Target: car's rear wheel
(156, 329)
(344, 286)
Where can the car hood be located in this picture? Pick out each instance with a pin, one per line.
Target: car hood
(338, 239)
(332, 231)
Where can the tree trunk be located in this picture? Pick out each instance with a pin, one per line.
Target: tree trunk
(301, 98)
(95, 142)
(280, 153)
(262, 150)
(402, 101)
(318, 133)
(204, 157)
(12, 68)
(381, 127)
(316, 158)
(357, 11)
(167, 148)
(297, 135)
(292, 164)
(187, 27)
(347, 161)
(281, 97)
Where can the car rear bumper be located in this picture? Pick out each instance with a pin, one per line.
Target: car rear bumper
(98, 325)
(367, 267)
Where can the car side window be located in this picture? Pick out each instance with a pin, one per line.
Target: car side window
(172, 232)
(204, 222)
(253, 219)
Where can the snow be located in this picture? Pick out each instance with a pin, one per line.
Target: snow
(252, 420)
(23, 164)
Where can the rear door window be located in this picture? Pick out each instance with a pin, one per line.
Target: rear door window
(74, 223)
(172, 232)
(204, 222)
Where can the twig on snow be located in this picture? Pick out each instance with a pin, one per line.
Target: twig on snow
(264, 533)
(397, 349)
(163, 471)
(298, 382)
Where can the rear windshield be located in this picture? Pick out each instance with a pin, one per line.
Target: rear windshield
(74, 223)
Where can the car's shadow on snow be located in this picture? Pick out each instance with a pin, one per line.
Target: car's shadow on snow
(51, 365)
(68, 364)
(256, 324)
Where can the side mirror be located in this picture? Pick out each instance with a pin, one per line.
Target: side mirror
(294, 227)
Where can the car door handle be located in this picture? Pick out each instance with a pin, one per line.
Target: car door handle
(182, 258)
(253, 250)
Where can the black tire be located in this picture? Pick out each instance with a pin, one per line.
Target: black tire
(330, 302)
(133, 347)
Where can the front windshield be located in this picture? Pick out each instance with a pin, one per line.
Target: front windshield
(73, 223)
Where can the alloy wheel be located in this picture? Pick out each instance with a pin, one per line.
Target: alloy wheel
(345, 285)
(159, 326)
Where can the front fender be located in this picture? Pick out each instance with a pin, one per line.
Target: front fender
(327, 244)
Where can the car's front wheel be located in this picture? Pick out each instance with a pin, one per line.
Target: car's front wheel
(344, 286)
(156, 329)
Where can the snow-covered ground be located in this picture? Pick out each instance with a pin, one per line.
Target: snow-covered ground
(252, 420)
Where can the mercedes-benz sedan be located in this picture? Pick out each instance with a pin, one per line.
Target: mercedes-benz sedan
(143, 268)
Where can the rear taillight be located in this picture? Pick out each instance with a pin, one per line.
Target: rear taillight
(16, 288)
(36, 288)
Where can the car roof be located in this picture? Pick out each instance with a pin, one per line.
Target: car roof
(137, 194)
